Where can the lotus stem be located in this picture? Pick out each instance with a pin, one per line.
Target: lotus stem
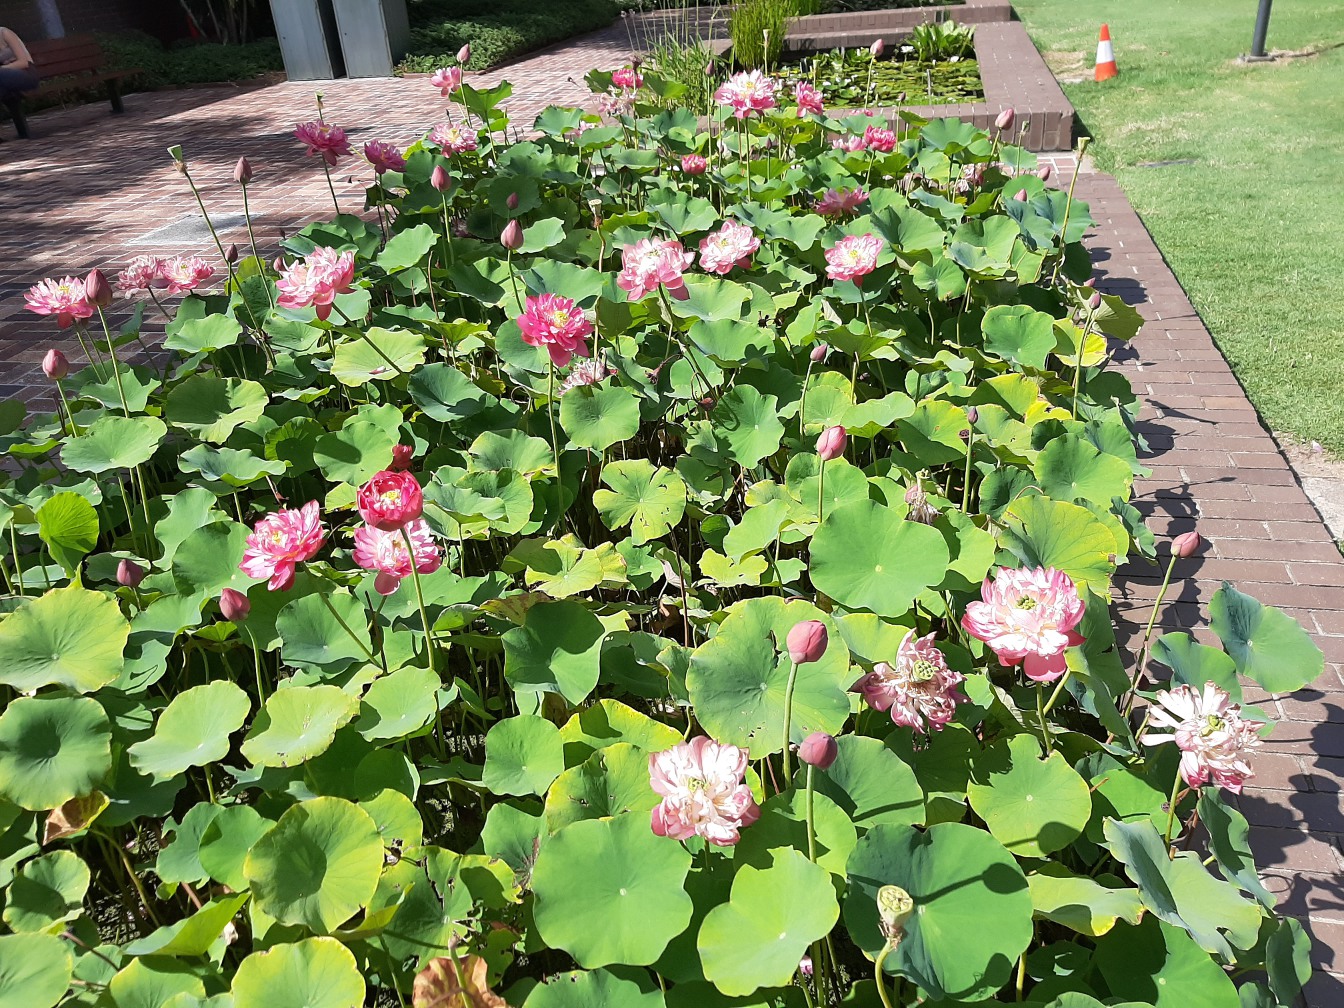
(1142, 664)
(878, 976)
(788, 718)
(1176, 796)
(1068, 206)
(420, 601)
(116, 367)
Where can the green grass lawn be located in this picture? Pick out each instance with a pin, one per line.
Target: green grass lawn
(1254, 228)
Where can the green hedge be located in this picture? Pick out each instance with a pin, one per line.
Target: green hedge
(496, 30)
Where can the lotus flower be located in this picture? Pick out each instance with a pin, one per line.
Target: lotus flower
(1028, 616)
(141, 274)
(729, 246)
(1185, 544)
(130, 574)
(819, 750)
(453, 139)
(806, 642)
(808, 99)
(390, 499)
(383, 156)
(701, 782)
(1005, 119)
(853, 257)
(234, 605)
(242, 171)
(327, 141)
(556, 323)
(693, 164)
(447, 79)
(402, 456)
(831, 444)
(182, 274)
(881, 140)
(649, 263)
(65, 298)
(838, 202)
(280, 542)
(97, 289)
(919, 690)
(627, 77)
(747, 92)
(316, 280)
(1208, 728)
(852, 143)
(387, 553)
(55, 365)
(439, 179)
(588, 372)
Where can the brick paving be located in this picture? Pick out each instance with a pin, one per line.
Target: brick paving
(90, 187)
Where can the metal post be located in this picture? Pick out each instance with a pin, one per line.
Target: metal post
(1261, 29)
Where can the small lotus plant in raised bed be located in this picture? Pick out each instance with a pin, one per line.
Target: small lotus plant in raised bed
(649, 563)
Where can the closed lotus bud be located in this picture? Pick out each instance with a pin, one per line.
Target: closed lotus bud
(512, 236)
(439, 179)
(819, 353)
(1094, 302)
(894, 908)
(819, 750)
(1044, 172)
(709, 69)
(877, 49)
(55, 366)
(806, 642)
(1005, 119)
(464, 54)
(831, 444)
(1090, 282)
(1020, 196)
(401, 457)
(1185, 544)
(233, 605)
(972, 415)
(130, 574)
(242, 171)
(512, 201)
(97, 289)
(231, 253)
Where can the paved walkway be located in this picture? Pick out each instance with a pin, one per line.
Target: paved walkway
(92, 190)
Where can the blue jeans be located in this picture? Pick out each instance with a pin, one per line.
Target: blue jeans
(16, 79)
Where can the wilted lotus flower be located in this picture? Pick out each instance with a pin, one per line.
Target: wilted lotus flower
(701, 782)
(1185, 544)
(920, 509)
(55, 365)
(242, 171)
(130, 574)
(1028, 615)
(280, 542)
(97, 289)
(402, 455)
(807, 642)
(233, 605)
(1208, 728)
(819, 750)
(588, 372)
(919, 690)
(390, 499)
(1005, 119)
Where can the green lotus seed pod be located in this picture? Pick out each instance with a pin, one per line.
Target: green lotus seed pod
(894, 907)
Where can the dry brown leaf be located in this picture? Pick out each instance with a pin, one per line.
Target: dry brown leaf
(444, 983)
(72, 817)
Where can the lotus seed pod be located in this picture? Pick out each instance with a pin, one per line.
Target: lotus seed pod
(819, 353)
(439, 179)
(894, 908)
(807, 642)
(1185, 544)
(819, 750)
(512, 236)
(130, 574)
(97, 289)
(242, 171)
(233, 605)
(55, 365)
(831, 444)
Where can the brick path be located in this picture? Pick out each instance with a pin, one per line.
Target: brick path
(90, 187)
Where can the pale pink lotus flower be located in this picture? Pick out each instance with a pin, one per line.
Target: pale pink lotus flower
(619, 104)
(809, 99)
(839, 202)
(628, 77)
(558, 324)
(446, 79)
(881, 140)
(853, 257)
(831, 443)
(141, 274)
(280, 542)
(747, 92)
(453, 139)
(852, 143)
(1210, 731)
(387, 553)
(316, 280)
(384, 156)
(693, 164)
(55, 365)
(1028, 615)
(731, 245)
(587, 372)
(919, 690)
(701, 782)
(182, 274)
(65, 298)
(327, 141)
(649, 263)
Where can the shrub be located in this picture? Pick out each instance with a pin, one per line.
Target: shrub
(496, 31)
(757, 28)
(203, 63)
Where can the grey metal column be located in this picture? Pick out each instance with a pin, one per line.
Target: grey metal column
(308, 39)
(374, 35)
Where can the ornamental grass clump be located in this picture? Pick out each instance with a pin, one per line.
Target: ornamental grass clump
(657, 562)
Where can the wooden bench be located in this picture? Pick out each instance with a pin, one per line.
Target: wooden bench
(73, 63)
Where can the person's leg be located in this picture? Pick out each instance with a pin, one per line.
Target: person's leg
(12, 83)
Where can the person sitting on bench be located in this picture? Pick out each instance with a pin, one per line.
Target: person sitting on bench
(18, 73)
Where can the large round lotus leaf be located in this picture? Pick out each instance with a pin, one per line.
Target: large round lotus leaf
(598, 989)
(52, 749)
(206, 562)
(611, 781)
(870, 783)
(609, 721)
(867, 556)
(444, 393)
(783, 824)
(378, 353)
(193, 730)
(1019, 333)
(148, 983)
(396, 817)
(354, 453)
(557, 649)
(522, 756)
(972, 916)
(68, 637)
(318, 865)
(747, 423)
(398, 704)
(598, 416)
(647, 498)
(211, 407)
(1048, 533)
(1268, 646)
(297, 724)
(1070, 468)
(738, 678)
(35, 970)
(312, 634)
(114, 442)
(68, 524)
(757, 938)
(1033, 806)
(225, 841)
(610, 891)
(313, 973)
(47, 891)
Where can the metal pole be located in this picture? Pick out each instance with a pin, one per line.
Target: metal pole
(1261, 28)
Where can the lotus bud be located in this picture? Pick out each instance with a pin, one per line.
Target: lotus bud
(894, 908)
(1185, 544)
(693, 164)
(806, 642)
(1094, 302)
(1044, 172)
(819, 353)
(512, 236)
(439, 179)
(233, 605)
(805, 965)
(1005, 119)
(231, 253)
(972, 416)
(512, 201)
(831, 444)
(819, 750)
(1090, 282)
(242, 171)
(130, 574)
(709, 69)
(877, 49)
(464, 54)
(97, 289)
(55, 366)
(401, 457)
(1020, 196)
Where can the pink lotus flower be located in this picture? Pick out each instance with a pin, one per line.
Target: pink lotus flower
(806, 642)
(234, 605)
(649, 263)
(853, 257)
(920, 690)
(808, 99)
(831, 443)
(701, 782)
(1028, 616)
(327, 141)
(390, 499)
(387, 553)
(838, 202)
(1213, 737)
(588, 372)
(627, 77)
(383, 156)
(852, 143)
(729, 246)
(881, 140)
(141, 274)
(65, 298)
(618, 104)
(55, 365)
(693, 164)
(316, 280)
(280, 542)
(402, 456)
(453, 139)
(819, 750)
(747, 92)
(556, 323)
(447, 79)
(184, 273)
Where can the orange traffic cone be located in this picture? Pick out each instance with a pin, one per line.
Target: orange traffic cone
(1106, 68)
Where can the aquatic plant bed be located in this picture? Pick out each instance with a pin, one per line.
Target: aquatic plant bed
(890, 21)
(843, 79)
